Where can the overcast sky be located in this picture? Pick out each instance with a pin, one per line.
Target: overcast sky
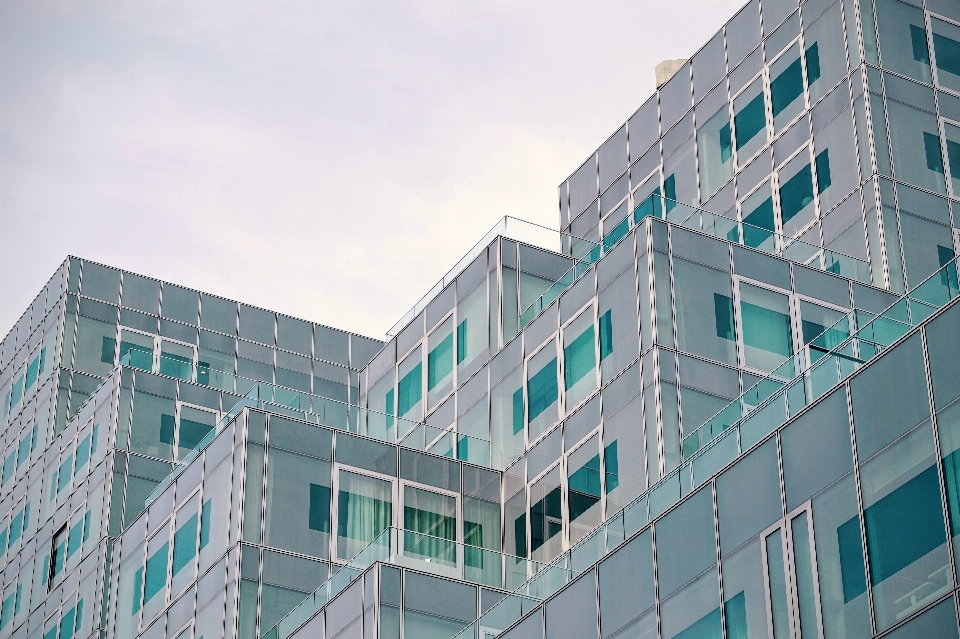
(330, 160)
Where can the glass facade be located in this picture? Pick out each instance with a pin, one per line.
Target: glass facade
(719, 402)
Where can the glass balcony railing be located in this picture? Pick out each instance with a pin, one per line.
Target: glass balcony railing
(718, 226)
(508, 227)
(411, 549)
(340, 415)
(779, 402)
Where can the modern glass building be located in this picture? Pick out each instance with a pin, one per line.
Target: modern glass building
(718, 403)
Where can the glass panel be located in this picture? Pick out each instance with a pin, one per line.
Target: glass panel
(546, 517)
(840, 569)
(704, 299)
(796, 194)
(715, 148)
(803, 572)
(507, 412)
(685, 542)
(748, 497)
(176, 360)
(440, 362)
(824, 41)
(915, 138)
(623, 454)
(579, 359)
(759, 226)
(434, 516)
(542, 390)
(750, 121)
(381, 400)
(364, 510)
(410, 388)
(195, 424)
(778, 586)
(903, 39)
(765, 322)
(946, 48)
(626, 584)
(139, 347)
(694, 612)
(619, 339)
(786, 87)
(472, 331)
(297, 516)
(745, 602)
(909, 565)
(583, 495)
(948, 423)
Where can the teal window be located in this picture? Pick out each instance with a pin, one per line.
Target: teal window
(461, 341)
(946, 46)
(16, 392)
(517, 411)
(6, 610)
(931, 149)
(33, 371)
(813, 63)
(543, 389)
(953, 155)
(650, 205)
(583, 489)
(16, 527)
(786, 87)
(64, 474)
(156, 575)
(107, 348)
(765, 320)
(918, 42)
(757, 216)
(606, 334)
(74, 538)
(319, 516)
(8, 465)
(67, 622)
(83, 452)
(205, 524)
(579, 359)
(430, 524)
(749, 121)
(364, 511)
(141, 355)
(796, 194)
(195, 425)
(440, 362)
(168, 425)
(715, 149)
(904, 523)
(137, 590)
(410, 388)
(185, 544)
(823, 171)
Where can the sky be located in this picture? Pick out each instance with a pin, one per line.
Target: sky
(329, 160)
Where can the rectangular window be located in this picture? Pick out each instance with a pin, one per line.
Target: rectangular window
(749, 120)
(579, 359)
(58, 551)
(185, 544)
(410, 388)
(364, 511)
(903, 517)
(786, 87)
(542, 390)
(946, 47)
(715, 148)
(765, 320)
(430, 525)
(440, 362)
(156, 572)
